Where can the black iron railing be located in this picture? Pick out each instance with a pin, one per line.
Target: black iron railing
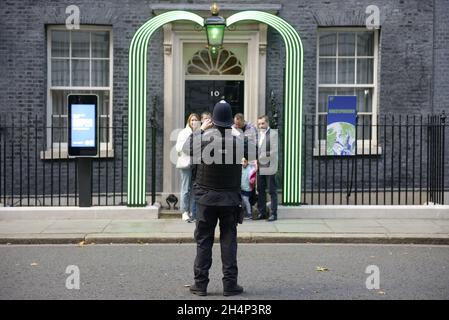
(399, 160)
(37, 171)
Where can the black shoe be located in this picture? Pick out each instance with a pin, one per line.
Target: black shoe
(232, 291)
(272, 218)
(198, 291)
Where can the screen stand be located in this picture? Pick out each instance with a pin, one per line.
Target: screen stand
(84, 181)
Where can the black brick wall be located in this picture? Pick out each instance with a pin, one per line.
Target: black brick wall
(414, 53)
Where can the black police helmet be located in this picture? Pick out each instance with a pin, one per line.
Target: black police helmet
(222, 114)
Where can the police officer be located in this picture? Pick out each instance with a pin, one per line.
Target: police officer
(216, 189)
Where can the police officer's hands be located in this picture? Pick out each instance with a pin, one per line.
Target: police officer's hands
(207, 124)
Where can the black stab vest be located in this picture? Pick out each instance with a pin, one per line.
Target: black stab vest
(225, 177)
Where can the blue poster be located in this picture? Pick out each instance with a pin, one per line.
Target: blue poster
(83, 125)
(341, 122)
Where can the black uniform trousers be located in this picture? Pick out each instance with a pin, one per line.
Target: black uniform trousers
(207, 217)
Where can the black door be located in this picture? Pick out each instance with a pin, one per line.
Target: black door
(202, 95)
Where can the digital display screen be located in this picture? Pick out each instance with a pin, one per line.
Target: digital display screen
(83, 125)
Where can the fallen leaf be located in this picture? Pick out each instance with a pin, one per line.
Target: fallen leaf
(34, 264)
(320, 268)
(81, 243)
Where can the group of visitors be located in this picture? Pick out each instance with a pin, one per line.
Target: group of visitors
(252, 178)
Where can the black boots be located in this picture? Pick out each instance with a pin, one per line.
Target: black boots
(232, 290)
(198, 290)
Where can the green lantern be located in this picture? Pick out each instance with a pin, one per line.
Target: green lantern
(215, 27)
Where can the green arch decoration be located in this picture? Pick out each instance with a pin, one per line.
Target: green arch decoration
(137, 95)
(291, 194)
(291, 191)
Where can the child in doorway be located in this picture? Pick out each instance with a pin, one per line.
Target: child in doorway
(247, 186)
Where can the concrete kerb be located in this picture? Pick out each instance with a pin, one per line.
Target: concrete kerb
(42, 239)
(139, 238)
(136, 238)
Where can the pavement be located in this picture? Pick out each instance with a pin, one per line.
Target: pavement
(56, 226)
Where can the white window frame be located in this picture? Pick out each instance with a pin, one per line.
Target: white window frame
(59, 149)
(239, 77)
(363, 145)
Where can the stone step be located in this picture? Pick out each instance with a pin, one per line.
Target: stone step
(170, 214)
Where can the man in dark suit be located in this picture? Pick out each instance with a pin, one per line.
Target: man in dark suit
(267, 168)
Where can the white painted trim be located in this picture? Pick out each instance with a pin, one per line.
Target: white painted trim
(111, 88)
(84, 27)
(343, 29)
(56, 153)
(170, 113)
(375, 107)
(214, 77)
(63, 146)
(346, 86)
(374, 85)
(81, 88)
(226, 9)
(49, 99)
(262, 49)
(79, 58)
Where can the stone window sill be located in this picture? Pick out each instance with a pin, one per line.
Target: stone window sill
(55, 155)
(361, 150)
